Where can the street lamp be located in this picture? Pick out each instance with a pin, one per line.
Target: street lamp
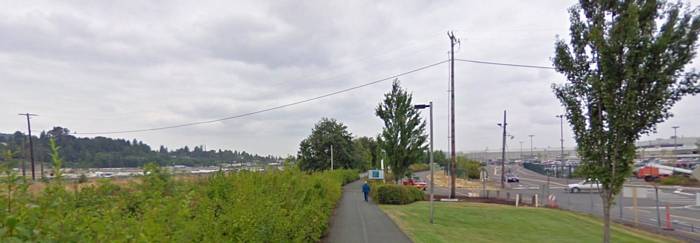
(531, 155)
(561, 139)
(521, 150)
(675, 138)
(418, 107)
(561, 135)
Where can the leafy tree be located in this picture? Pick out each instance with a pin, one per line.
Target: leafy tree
(469, 167)
(366, 153)
(440, 157)
(290, 161)
(624, 74)
(403, 137)
(361, 154)
(315, 151)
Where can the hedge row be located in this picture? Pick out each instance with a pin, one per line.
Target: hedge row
(397, 194)
(275, 206)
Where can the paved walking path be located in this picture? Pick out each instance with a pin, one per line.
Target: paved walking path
(358, 221)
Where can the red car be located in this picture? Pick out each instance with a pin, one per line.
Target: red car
(416, 182)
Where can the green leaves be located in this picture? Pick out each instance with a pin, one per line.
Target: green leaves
(315, 151)
(624, 74)
(403, 137)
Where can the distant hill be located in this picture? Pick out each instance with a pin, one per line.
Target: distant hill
(103, 152)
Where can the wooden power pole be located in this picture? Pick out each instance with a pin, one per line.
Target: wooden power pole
(453, 159)
(31, 144)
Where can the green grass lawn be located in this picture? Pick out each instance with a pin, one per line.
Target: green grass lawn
(478, 222)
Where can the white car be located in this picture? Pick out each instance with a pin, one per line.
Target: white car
(587, 185)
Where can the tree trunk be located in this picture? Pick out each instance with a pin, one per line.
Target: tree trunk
(606, 217)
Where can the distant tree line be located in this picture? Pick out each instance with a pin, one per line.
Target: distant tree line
(103, 152)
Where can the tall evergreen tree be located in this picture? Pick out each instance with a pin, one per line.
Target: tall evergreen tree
(626, 67)
(403, 137)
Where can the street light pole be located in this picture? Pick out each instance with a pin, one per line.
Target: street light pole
(675, 138)
(531, 155)
(521, 150)
(561, 135)
(568, 170)
(430, 104)
(331, 157)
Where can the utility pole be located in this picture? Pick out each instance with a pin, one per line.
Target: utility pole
(531, 154)
(503, 153)
(331, 157)
(453, 165)
(31, 144)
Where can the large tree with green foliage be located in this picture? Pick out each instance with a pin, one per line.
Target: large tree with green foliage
(625, 64)
(468, 167)
(403, 137)
(367, 152)
(315, 151)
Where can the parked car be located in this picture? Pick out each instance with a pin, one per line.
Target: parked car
(512, 178)
(587, 185)
(415, 182)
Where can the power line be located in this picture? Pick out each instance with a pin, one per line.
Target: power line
(270, 108)
(504, 64)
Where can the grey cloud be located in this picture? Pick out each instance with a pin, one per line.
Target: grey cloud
(260, 41)
(132, 64)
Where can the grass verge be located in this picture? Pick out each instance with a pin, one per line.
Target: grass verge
(478, 222)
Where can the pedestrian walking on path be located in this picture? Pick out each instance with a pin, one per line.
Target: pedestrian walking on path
(365, 190)
(355, 221)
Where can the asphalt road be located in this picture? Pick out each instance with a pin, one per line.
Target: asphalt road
(358, 221)
(684, 216)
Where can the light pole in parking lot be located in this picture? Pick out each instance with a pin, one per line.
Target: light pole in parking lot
(521, 150)
(561, 135)
(561, 139)
(531, 155)
(423, 106)
(675, 138)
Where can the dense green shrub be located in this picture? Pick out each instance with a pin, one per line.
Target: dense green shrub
(468, 166)
(397, 194)
(373, 185)
(273, 206)
(344, 176)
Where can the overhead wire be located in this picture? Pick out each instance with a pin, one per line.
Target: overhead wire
(504, 64)
(270, 108)
(316, 97)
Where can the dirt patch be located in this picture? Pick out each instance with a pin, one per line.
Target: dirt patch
(441, 180)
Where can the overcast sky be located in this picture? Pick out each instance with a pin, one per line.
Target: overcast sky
(97, 66)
